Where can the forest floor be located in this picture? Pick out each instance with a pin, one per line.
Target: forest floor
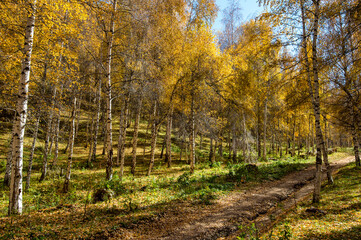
(241, 212)
(216, 202)
(250, 208)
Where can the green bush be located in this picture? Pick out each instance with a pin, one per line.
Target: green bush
(184, 179)
(243, 172)
(115, 185)
(206, 195)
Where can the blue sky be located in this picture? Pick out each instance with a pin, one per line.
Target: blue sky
(250, 9)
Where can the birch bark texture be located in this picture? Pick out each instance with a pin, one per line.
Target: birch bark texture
(135, 137)
(155, 128)
(109, 169)
(122, 137)
(314, 92)
(16, 191)
(317, 109)
(71, 147)
(168, 154)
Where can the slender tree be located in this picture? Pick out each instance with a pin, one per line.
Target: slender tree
(16, 193)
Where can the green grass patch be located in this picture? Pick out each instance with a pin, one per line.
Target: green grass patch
(341, 203)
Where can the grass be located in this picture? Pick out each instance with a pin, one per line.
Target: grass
(341, 203)
(136, 198)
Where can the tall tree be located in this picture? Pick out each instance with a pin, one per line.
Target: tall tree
(16, 192)
(109, 144)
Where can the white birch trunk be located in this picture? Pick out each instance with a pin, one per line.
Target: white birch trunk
(56, 136)
(135, 138)
(109, 148)
(96, 129)
(314, 92)
(122, 137)
(90, 142)
(319, 134)
(71, 147)
(168, 154)
(153, 144)
(16, 191)
(48, 133)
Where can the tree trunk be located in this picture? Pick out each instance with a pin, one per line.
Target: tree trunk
(104, 132)
(355, 137)
(35, 136)
(155, 128)
(87, 133)
(77, 114)
(135, 138)
(145, 138)
(200, 141)
(96, 129)
(234, 147)
(51, 139)
(163, 146)
(10, 156)
(259, 130)
(220, 148)
(16, 193)
(309, 137)
(56, 139)
(109, 169)
(122, 137)
(121, 124)
(313, 138)
(293, 152)
(48, 133)
(299, 141)
(326, 138)
(211, 153)
(192, 138)
(314, 92)
(168, 154)
(186, 152)
(90, 141)
(264, 153)
(229, 145)
(273, 139)
(71, 147)
(181, 150)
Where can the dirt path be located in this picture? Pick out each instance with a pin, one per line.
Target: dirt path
(259, 205)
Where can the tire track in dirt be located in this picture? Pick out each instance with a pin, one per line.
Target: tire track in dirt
(259, 205)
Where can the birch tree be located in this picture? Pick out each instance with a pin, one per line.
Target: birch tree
(109, 144)
(71, 148)
(16, 191)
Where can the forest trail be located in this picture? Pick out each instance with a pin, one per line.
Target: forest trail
(260, 205)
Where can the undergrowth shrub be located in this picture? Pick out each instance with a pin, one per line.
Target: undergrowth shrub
(205, 195)
(216, 164)
(243, 172)
(115, 185)
(184, 179)
(277, 170)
